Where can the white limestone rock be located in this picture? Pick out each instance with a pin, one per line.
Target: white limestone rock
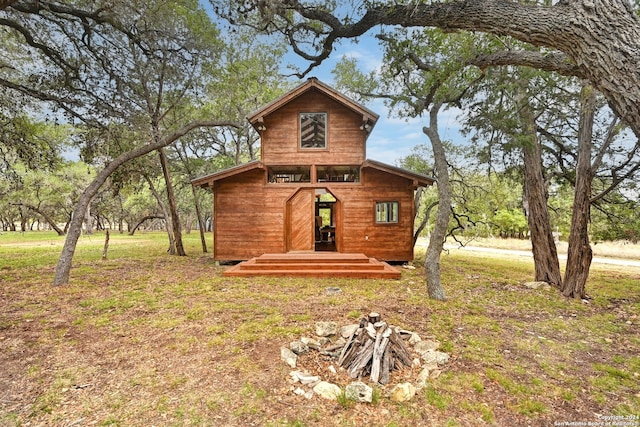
(303, 377)
(327, 390)
(425, 373)
(311, 343)
(288, 357)
(359, 392)
(326, 329)
(537, 285)
(347, 330)
(423, 346)
(434, 356)
(402, 392)
(299, 347)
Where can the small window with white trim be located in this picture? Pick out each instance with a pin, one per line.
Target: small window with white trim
(386, 212)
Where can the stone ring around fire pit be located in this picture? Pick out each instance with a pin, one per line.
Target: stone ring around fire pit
(372, 349)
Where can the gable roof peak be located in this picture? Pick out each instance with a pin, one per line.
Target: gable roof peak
(369, 117)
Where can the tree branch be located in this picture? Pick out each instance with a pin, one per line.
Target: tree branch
(473, 15)
(61, 102)
(46, 50)
(551, 61)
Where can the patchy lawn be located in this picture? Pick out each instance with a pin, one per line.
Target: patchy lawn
(145, 338)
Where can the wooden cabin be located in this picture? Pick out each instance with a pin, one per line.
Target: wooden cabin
(313, 190)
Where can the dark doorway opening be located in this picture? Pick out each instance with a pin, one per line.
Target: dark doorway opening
(325, 221)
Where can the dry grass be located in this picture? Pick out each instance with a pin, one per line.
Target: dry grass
(149, 339)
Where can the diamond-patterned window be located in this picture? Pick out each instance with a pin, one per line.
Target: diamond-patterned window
(313, 130)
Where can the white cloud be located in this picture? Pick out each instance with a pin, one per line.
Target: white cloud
(368, 60)
(393, 141)
(389, 157)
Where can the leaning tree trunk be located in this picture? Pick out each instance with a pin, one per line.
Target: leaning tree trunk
(173, 207)
(63, 268)
(579, 255)
(545, 254)
(436, 241)
(67, 224)
(601, 38)
(146, 218)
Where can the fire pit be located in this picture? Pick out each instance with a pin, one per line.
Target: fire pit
(370, 350)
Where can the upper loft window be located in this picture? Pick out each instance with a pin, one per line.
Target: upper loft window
(284, 174)
(338, 173)
(313, 130)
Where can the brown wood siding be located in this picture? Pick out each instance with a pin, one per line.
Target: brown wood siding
(251, 220)
(252, 217)
(246, 222)
(345, 140)
(359, 231)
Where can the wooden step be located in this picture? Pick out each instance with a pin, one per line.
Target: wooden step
(314, 265)
(353, 274)
(313, 257)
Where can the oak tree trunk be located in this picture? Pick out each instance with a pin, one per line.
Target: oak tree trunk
(436, 241)
(45, 216)
(63, 268)
(597, 40)
(88, 226)
(173, 207)
(600, 38)
(166, 215)
(146, 218)
(545, 254)
(23, 221)
(579, 254)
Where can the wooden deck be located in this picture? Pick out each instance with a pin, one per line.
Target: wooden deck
(315, 264)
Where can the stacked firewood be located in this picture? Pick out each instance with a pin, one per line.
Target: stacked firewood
(374, 349)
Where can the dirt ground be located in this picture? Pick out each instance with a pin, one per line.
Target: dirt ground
(168, 341)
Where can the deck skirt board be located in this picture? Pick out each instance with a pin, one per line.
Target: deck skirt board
(314, 264)
(312, 257)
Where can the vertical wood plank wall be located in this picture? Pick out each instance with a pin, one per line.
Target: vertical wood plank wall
(252, 217)
(345, 140)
